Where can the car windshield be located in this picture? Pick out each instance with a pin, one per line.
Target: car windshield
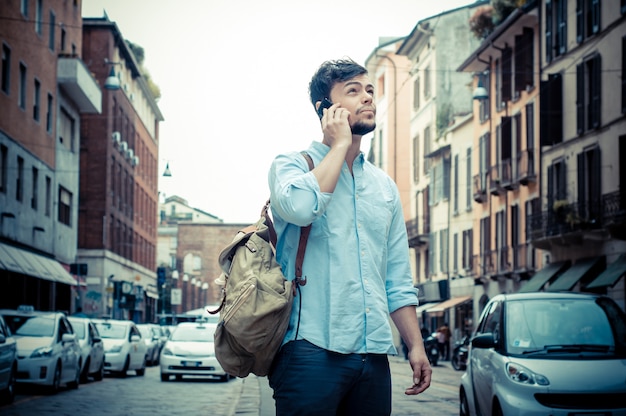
(111, 330)
(146, 331)
(31, 326)
(202, 333)
(551, 324)
(79, 328)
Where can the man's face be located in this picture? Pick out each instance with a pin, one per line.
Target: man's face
(357, 96)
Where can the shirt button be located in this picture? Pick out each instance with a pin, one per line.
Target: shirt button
(367, 310)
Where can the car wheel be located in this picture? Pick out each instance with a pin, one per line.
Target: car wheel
(84, 377)
(141, 371)
(56, 379)
(464, 406)
(99, 375)
(8, 395)
(496, 411)
(124, 371)
(165, 377)
(74, 384)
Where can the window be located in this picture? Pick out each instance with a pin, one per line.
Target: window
(588, 94)
(484, 159)
(21, 100)
(65, 206)
(524, 60)
(66, 131)
(52, 26)
(443, 249)
(556, 183)
(426, 149)
(455, 168)
(6, 69)
(63, 40)
(19, 180)
(468, 181)
(49, 114)
(467, 242)
(4, 155)
(35, 190)
(48, 196)
(24, 7)
(455, 253)
(497, 66)
(589, 184)
(432, 253)
(380, 90)
(416, 94)
(37, 100)
(483, 110)
(623, 74)
(427, 86)
(485, 241)
(530, 139)
(556, 28)
(380, 148)
(416, 158)
(587, 19)
(506, 73)
(501, 240)
(38, 16)
(551, 110)
(515, 238)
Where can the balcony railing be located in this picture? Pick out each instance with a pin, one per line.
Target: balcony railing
(523, 258)
(526, 167)
(480, 188)
(416, 236)
(495, 181)
(508, 175)
(484, 264)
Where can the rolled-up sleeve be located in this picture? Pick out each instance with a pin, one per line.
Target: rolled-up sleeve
(294, 191)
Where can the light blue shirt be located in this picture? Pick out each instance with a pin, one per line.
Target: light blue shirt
(357, 257)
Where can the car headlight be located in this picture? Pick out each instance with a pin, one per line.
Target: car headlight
(42, 352)
(115, 348)
(167, 351)
(523, 375)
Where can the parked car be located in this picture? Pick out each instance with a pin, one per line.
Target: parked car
(190, 351)
(47, 348)
(8, 363)
(151, 337)
(91, 346)
(547, 354)
(124, 349)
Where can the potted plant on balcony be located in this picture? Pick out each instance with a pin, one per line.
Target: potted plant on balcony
(564, 213)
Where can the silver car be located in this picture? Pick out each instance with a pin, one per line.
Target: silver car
(190, 351)
(91, 346)
(8, 363)
(47, 348)
(547, 354)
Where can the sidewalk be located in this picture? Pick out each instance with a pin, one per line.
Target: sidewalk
(256, 395)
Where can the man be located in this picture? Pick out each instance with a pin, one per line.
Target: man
(334, 355)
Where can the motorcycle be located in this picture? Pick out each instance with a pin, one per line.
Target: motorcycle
(459, 354)
(432, 350)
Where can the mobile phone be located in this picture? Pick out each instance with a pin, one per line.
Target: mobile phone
(326, 103)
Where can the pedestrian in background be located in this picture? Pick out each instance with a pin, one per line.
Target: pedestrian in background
(334, 356)
(443, 340)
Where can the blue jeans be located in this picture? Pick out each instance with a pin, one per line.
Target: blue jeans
(308, 380)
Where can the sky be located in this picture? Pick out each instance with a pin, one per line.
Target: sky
(234, 75)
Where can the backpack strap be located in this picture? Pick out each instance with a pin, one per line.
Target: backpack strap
(304, 236)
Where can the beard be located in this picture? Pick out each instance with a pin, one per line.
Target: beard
(361, 128)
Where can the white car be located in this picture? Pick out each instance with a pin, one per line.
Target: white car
(47, 348)
(8, 363)
(559, 354)
(190, 351)
(124, 349)
(91, 346)
(151, 337)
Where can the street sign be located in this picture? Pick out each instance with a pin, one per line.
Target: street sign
(176, 296)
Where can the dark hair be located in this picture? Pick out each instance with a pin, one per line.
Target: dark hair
(330, 73)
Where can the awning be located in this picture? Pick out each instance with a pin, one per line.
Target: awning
(543, 276)
(24, 262)
(421, 308)
(447, 304)
(582, 270)
(611, 275)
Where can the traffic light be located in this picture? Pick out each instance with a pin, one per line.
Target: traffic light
(160, 276)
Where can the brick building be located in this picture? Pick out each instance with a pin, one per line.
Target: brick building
(117, 230)
(45, 87)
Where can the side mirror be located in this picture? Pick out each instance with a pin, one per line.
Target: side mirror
(135, 338)
(483, 341)
(68, 338)
(96, 340)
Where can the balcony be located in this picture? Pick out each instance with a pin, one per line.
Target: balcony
(567, 223)
(614, 214)
(526, 167)
(77, 83)
(416, 236)
(509, 177)
(480, 191)
(484, 265)
(495, 181)
(523, 258)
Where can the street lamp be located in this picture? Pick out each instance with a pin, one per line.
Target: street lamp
(185, 294)
(174, 285)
